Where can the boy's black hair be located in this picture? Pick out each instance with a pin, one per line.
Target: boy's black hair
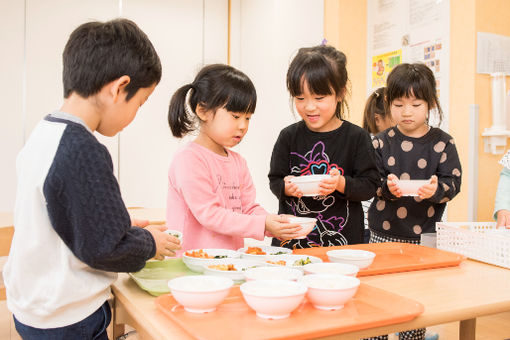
(417, 80)
(324, 69)
(215, 86)
(97, 53)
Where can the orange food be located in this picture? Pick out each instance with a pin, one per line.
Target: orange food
(199, 253)
(255, 251)
(225, 267)
(280, 262)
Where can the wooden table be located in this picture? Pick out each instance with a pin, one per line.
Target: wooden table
(460, 293)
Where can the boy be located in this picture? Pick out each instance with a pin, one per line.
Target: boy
(72, 230)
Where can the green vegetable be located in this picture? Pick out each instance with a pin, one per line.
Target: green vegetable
(220, 256)
(302, 262)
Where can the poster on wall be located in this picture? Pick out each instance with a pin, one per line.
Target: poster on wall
(408, 31)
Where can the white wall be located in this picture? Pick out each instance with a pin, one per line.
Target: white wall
(266, 36)
(186, 34)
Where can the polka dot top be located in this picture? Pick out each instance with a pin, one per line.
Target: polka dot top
(413, 158)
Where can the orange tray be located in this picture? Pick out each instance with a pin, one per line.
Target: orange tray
(233, 319)
(394, 257)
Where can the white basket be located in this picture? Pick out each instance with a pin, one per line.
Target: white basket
(477, 240)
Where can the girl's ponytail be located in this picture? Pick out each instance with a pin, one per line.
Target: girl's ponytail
(181, 117)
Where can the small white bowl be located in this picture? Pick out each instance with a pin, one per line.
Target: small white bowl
(309, 185)
(200, 293)
(330, 291)
(409, 187)
(294, 261)
(197, 264)
(360, 258)
(175, 233)
(307, 224)
(272, 273)
(241, 266)
(331, 268)
(273, 299)
(270, 251)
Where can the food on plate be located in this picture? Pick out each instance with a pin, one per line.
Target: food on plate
(224, 267)
(255, 251)
(203, 255)
(279, 253)
(279, 262)
(302, 262)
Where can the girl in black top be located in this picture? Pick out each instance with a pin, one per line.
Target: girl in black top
(323, 143)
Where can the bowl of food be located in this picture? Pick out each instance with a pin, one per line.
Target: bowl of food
(175, 233)
(409, 187)
(331, 268)
(329, 291)
(309, 185)
(293, 261)
(307, 225)
(262, 253)
(196, 259)
(273, 299)
(358, 257)
(200, 293)
(272, 273)
(234, 269)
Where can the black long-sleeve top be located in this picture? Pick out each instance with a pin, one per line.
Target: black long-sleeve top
(300, 151)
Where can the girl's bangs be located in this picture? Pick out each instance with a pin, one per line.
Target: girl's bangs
(408, 88)
(317, 73)
(241, 99)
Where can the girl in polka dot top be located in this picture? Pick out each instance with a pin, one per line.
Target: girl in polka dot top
(323, 143)
(412, 150)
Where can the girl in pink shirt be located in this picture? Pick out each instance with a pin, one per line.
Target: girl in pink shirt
(211, 196)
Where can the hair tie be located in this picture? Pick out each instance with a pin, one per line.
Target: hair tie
(187, 106)
(376, 94)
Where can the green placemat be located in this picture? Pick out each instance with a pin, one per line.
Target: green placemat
(154, 277)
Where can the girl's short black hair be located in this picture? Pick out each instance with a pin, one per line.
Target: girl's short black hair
(97, 53)
(417, 80)
(215, 86)
(324, 69)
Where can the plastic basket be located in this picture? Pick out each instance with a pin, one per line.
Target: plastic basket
(477, 240)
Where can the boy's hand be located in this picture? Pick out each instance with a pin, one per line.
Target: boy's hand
(166, 244)
(139, 223)
(279, 227)
(291, 189)
(503, 218)
(335, 182)
(392, 183)
(428, 190)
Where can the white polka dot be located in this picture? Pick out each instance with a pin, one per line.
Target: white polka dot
(443, 158)
(406, 146)
(391, 161)
(417, 229)
(375, 143)
(417, 199)
(456, 172)
(439, 147)
(405, 175)
(452, 141)
(381, 144)
(402, 212)
(431, 211)
(380, 205)
(391, 133)
(444, 200)
(386, 225)
(422, 163)
(446, 187)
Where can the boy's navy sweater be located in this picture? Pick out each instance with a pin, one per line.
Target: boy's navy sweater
(72, 229)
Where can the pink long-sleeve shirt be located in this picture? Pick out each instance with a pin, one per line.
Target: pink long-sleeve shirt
(211, 199)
